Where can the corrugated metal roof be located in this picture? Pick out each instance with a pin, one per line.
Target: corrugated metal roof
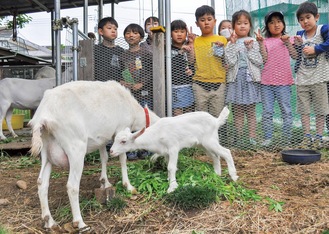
(11, 57)
(9, 7)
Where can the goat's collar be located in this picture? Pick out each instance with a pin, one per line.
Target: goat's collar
(147, 117)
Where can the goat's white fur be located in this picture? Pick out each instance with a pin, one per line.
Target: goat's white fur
(169, 135)
(77, 118)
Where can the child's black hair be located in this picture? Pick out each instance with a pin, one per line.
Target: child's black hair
(268, 19)
(204, 10)
(307, 7)
(178, 24)
(134, 28)
(149, 19)
(221, 23)
(106, 20)
(238, 14)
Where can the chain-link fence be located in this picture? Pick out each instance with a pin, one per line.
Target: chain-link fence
(275, 86)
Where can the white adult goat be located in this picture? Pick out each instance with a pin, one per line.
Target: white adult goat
(21, 94)
(169, 135)
(77, 118)
(26, 94)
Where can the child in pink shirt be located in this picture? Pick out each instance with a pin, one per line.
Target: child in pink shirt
(277, 76)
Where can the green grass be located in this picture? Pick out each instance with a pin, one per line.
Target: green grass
(199, 186)
(21, 162)
(3, 230)
(193, 175)
(116, 204)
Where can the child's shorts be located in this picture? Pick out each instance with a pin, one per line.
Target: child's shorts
(315, 96)
(182, 96)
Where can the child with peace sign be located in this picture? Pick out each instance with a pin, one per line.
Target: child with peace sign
(277, 76)
(244, 62)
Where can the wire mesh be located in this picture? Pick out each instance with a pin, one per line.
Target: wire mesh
(276, 101)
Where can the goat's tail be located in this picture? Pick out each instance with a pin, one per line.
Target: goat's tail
(37, 144)
(221, 120)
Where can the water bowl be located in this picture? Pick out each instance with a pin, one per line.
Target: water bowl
(300, 156)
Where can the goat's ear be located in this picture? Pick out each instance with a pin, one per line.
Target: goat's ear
(137, 134)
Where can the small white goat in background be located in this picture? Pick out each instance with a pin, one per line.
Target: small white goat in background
(169, 135)
(23, 94)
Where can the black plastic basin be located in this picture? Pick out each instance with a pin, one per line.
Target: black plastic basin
(300, 156)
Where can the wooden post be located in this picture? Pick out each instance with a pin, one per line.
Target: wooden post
(159, 78)
(86, 60)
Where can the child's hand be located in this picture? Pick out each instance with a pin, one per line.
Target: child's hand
(233, 37)
(127, 85)
(188, 71)
(259, 36)
(219, 43)
(137, 86)
(309, 50)
(249, 43)
(186, 48)
(190, 35)
(285, 38)
(298, 40)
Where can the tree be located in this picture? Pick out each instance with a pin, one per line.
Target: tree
(21, 20)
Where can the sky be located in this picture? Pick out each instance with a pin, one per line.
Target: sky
(39, 29)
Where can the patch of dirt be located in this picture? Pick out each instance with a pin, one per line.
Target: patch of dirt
(304, 189)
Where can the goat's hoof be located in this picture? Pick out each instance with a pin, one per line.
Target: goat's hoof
(87, 230)
(172, 188)
(134, 191)
(50, 225)
(105, 184)
(55, 229)
(235, 178)
(73, 228)
(130, 188)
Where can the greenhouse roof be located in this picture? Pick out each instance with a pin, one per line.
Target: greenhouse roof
(285, 8)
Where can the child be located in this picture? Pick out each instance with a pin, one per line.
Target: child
(276, 76)
(210, 75)
(244, 73)
(150, 22)
(108, 62)
(312, 69)
(137, 73)
(182, 71)
(225, 29)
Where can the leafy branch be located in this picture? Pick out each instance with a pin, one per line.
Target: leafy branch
(21, 20)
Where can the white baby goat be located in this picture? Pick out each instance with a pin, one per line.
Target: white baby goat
(169, 135)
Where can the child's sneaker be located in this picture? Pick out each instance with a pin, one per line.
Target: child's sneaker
(266, 142)
(317, 142)
(252, 141)
(143, 154)
(325, 141)
(132, 155)
(306, 143)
